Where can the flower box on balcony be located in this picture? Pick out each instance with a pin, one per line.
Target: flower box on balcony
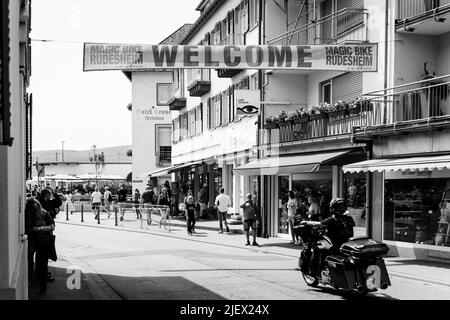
(338, 113)
(285, 123)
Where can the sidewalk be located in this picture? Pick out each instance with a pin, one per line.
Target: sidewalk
(207, 232)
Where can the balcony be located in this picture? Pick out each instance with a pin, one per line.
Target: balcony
(405, 109)
(232, 39)
(177, 100)
(343, 26)
(428, 17)
(164, 157)
(198, 82)
(410, 108)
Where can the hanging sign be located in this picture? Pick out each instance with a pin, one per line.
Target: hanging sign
(247, 101)
(126, 57)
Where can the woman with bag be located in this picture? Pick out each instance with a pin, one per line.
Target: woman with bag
(39, 226)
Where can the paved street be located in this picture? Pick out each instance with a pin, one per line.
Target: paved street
(162, 265)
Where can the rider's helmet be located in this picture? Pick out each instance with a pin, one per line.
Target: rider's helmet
(338, 206)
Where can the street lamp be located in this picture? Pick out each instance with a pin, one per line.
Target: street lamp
(62, 150)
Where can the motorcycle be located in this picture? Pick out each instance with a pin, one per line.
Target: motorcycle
(358, 267)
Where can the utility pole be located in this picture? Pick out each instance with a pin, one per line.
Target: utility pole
(56, 154)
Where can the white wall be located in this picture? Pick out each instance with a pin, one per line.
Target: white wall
(13, 280)
(146, 114)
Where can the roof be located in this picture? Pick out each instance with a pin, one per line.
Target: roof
(47, 163)
(206, 14)
(178, 35)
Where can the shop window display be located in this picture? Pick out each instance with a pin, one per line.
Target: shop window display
(354, 191)
(417, 211)
(283, 190)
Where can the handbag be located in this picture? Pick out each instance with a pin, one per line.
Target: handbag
(52, 249)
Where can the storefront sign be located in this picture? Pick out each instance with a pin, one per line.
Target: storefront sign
(98, 56)
(247, 101)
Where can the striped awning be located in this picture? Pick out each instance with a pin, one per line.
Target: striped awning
(403, 164)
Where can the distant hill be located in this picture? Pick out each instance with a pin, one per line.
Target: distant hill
(112, 154)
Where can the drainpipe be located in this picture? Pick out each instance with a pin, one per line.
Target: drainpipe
(261, 179)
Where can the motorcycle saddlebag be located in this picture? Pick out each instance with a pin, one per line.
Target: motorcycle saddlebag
(364, 247)
(342, 274)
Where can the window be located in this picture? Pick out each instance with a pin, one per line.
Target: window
(225, 109)
(230, 104)
(346, 87)
(184, 125)
(192, 124)
(218, 110)
(162, 94)
(254, 13)
(163, 146)
(244, 16)
(211, 118)
(216, 34)
(199, 119)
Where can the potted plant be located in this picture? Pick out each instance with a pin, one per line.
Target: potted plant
(302, 116)
(271, 123)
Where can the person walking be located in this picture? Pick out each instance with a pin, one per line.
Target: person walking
(96, 198)
(203, 199)
(70, 207)
(222, 203)
(121, 198)
(148, 199)
(137, 201)
(39, 226)
(164, 200)
(251, 219)
(292, 206)
(107, 196)
(190, 215)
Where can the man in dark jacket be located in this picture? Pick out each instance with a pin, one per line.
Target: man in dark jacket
(148, 198)
(251, 219)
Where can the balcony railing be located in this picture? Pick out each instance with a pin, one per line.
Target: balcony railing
(177, 99)
(346, 25)
(164, 157)
(394, 110)
(411, 9)
(407, 107)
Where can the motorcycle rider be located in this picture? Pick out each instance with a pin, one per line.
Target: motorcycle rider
(339, 230)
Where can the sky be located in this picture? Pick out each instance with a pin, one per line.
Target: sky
(87, 108)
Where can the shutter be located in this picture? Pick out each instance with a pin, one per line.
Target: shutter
(342, 4)
(347, 87)
(246, 83)
(208, 111)
(225, 108)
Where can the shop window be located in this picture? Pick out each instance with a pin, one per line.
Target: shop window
(417, 211)
(320, 188)
(354, 192)
(283, 197)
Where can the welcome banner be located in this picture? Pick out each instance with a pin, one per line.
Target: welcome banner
(129, 57)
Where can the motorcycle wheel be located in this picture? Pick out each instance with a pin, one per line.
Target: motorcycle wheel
(310, 281)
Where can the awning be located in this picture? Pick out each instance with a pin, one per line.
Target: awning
(404, 164)
(185, 165)
(160, 172)
(287, 165)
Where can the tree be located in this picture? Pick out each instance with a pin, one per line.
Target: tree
(99, 162)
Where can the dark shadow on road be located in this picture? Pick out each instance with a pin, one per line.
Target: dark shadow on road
(282, 245)
(159, 288)
(58, 289)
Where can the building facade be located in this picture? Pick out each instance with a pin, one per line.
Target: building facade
(378, 139)
(15, 145)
